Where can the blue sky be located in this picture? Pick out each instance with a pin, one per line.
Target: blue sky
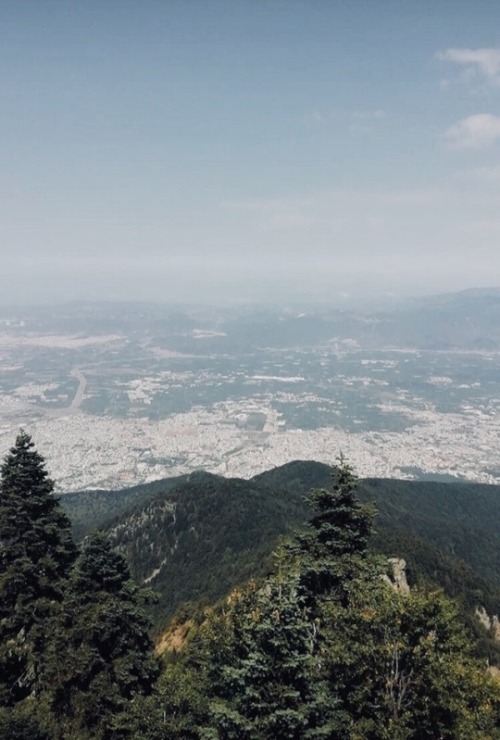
(248, 149)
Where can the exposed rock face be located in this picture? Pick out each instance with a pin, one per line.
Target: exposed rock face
(398, 580)
(492, 624)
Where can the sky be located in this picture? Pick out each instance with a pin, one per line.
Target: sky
(237, 150)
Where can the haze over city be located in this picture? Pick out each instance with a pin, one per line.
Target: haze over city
(216, 151)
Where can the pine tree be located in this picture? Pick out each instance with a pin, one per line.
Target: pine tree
(36, 552)
(261, 667)
(100, 656)
(251, 672)
(335, 544)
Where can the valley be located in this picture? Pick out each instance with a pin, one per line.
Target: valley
(191, 390)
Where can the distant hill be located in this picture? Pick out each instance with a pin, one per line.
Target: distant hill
(197, 540)
(465, 320)
(447, 531)
(95, 509)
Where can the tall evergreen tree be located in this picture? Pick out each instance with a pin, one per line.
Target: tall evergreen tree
(262, 674)
(263, 690)
(100, 656)
(335, 545)
(36, 552)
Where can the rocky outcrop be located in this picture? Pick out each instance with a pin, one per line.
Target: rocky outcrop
(397, 579)
(492, 624)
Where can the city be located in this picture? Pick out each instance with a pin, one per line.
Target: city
(108, 410)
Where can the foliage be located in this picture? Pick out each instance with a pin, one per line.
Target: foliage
(321, 647)
(325, 648)
(261, 666)
(100, 655)
(36, 552)
(225, 530)
(401, 667)
(335, 543)
(177, 708)
(20, 723)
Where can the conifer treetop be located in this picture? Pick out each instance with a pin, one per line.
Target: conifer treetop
(36, 555)
(24, 468)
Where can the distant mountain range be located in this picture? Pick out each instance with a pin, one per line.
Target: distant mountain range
(467, 320)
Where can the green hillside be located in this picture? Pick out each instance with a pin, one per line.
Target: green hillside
(96, 508)
(312, 642)
(195, 537)
(195, 541)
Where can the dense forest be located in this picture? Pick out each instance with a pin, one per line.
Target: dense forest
(307, 636)
(195, 537)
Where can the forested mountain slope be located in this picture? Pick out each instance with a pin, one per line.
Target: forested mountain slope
(460, 519)
(200, 538)
(193, 538)
(313, 642)
(96, 508)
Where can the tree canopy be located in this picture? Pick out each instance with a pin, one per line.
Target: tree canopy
(322, 647)
(327, 648)
(100, 656)
(36, 554)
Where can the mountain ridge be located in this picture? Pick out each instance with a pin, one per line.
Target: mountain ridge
(194, 538)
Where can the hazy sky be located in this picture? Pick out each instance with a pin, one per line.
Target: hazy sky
(245, 148)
